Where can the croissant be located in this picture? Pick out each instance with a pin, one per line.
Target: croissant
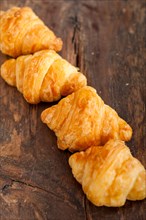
(109, 175)
(43, 76)
(82, 120)
(22, 32)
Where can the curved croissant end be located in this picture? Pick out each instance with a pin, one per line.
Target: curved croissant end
(82, 120)
(110, 174)
(22, 32)
(44, 76)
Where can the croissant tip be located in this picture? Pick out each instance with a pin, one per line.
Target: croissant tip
(58, 44)
(43, 115)
(126, 133)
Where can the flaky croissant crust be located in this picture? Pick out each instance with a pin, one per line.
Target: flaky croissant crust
(82, 120)
(110, 174)
(43, 76)
(22, 32)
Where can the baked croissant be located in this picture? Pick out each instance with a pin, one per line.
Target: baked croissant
(109, 175)
(22, 32)
(82, 120)
(43, 76)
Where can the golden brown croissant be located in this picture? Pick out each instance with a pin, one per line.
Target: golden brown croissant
(82, 120)
(43, 76)
(22, 32)
(109, 175)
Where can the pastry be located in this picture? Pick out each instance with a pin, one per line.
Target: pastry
(82, 120)
(110, 174)
(22, 32)
(43, 76)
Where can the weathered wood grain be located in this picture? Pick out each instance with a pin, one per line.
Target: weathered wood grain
(106, 39)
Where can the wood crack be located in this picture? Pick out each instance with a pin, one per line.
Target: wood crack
(10, 185)
(6, 186)
(75, 38)
(86, 208)
(76, 27)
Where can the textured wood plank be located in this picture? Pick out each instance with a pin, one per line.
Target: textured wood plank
(106, 39)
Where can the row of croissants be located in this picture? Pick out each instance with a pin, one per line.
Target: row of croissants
(82, 122)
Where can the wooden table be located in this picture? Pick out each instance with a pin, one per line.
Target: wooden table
(106, 40)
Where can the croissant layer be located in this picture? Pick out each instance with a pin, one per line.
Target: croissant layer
(110, 174)
(22, 32)
(82, 119)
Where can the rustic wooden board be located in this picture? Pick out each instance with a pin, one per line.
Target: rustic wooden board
(106, 39)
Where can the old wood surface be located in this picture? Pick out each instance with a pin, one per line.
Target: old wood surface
(106, 39)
